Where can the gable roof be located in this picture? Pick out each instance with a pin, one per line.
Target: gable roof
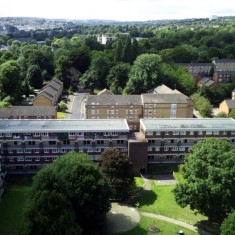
(114, 100)
(105, 92)
(16, 111)
(165, 98)
(230, 103)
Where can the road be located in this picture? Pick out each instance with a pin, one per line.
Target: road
(76, 106)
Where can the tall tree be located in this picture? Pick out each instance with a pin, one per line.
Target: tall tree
(34, 76)
(117, 77)
(210, 177)
(127, 51)
(118, 168)
(68, 196)
(10, 79)
(145, 74)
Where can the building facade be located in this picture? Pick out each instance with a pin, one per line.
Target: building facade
(27, 146)
(169, 140)
(128, 107)
(50, 94)
(135, 107)
(28, 112)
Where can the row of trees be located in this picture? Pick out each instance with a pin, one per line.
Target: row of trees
(72, 195)
(125, 65)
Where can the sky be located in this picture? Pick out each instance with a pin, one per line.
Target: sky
(123, 10)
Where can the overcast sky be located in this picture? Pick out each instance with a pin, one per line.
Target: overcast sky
(125, 10)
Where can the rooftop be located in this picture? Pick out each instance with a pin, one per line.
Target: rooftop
(114, 100)
(176, 98)
(193, 124)
(80, 125)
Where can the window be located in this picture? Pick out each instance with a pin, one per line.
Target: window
(37, 159)
(93, 112)
(120, 141)
(8, 134)
(200, 132)
(20, 159)
(174, 149)
(72, 133)
(166, 133)
(55, 150)
(36, 150)
(11, 159)
(166, 148)
(209, 132)
(149, 133)
(19, 150)
(10, 151)
(28, 159)
(224, 132)
(175, 132)
(150, 149)
(46, 150)
(100, 142)
(183, 132)
(27, 151)
(36, 134)
(191, 132)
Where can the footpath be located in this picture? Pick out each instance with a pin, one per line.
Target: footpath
(147, 187)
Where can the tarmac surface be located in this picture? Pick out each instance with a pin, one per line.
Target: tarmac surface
(122, 218)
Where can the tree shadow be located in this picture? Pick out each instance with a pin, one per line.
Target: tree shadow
(143, 198)
(206, 227)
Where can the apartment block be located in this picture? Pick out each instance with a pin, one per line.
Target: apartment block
(128, 107)
(28, 145)
(170, 104)
(169, 140)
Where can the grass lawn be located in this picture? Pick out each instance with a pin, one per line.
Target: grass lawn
(61, 115)
(12, 205)
(161, 200)
(165, 228)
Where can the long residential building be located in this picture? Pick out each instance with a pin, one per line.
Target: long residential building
(135, 107)
(28, 145)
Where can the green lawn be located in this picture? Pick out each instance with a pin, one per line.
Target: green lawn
(61, 115)
(165, 228)
(12, 205)
(161, 200)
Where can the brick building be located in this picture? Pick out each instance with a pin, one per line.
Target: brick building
(28, 145)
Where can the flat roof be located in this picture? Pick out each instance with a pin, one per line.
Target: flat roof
(65, 125)
(195, 124)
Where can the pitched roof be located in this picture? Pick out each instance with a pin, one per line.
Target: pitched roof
(230, 103)
(164, 98)
(114, 100)
(105, 92)
(163, 89)
(15, 111)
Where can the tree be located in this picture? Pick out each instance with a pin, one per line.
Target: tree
(144, 74)
(34, 76)
(117, 77)
(68, 196)
(127, 51)
(118, 168)
(210, 177)
(221, 115)
(10, 79)
(202, 104)
(62, 105)
(232, 114)
(228, 225)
